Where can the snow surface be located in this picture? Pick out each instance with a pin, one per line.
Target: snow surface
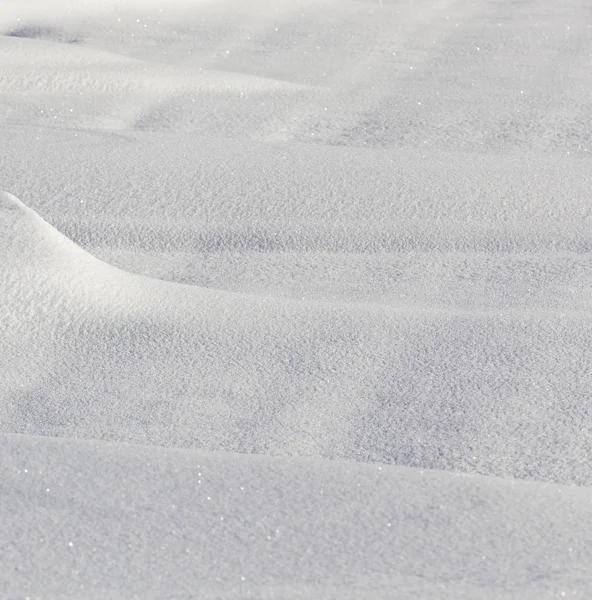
(295, 299)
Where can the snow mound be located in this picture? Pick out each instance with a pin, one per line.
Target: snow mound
(124, 357)
(29, 242)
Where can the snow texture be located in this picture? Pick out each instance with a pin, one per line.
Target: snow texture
(295, 299)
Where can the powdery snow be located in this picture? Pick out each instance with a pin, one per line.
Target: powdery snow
(123, 521)
(295, 299)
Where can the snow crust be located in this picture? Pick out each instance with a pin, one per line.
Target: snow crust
(295, 299)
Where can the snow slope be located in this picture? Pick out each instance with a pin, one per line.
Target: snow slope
(121, 521)
(310, 260)
(436, 388)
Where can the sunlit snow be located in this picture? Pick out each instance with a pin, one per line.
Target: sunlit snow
(295, 299)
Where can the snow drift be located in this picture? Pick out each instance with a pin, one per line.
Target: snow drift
(129, 358)
(281, 271)
(116, 520)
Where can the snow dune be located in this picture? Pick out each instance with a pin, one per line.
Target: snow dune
(295, 299)
(433, 388)
(115, 521)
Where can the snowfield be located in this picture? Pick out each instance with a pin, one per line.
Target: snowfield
(295, 299)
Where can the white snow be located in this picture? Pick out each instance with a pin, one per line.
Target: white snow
(133, 521)
(295, 299)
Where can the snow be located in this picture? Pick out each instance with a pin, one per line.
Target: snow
(295, 299)
(116, 520)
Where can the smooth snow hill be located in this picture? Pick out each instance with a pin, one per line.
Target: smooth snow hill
(123, 357)
(122, 521)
